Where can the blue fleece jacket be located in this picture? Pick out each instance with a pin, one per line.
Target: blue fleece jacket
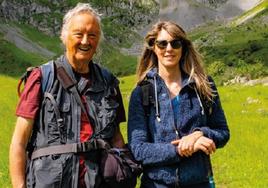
(149, 139)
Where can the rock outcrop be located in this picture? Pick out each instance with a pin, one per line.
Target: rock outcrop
(212, 3)
(46, 16)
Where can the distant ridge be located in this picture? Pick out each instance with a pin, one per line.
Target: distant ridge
(250, 13)
(192, 13)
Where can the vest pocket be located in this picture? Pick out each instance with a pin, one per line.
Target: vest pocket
(57, 124)
(47, 172)
(104, 114)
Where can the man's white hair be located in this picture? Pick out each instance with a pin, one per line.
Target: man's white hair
(79, 8)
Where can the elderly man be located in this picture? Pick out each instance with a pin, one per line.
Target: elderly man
(66, 105)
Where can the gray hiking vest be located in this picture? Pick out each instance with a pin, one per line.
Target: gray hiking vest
(57, 127)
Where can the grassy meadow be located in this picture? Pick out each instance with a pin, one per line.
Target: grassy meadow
(8, 99)
(242, 163)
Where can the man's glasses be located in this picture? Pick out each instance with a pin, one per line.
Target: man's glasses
(175, 44)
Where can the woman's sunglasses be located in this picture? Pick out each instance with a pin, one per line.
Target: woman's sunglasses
(175, 44)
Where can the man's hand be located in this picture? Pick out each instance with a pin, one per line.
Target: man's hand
(118, 140)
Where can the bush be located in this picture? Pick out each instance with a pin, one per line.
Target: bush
(254, 46)
(216, 68)
(252, 71)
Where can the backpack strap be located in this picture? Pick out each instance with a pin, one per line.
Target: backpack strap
(23, 79)
(109, 79)
(145, 89)
(47, 71)
(147, 95)
(206, 104)
(209, 103)
(69, 84)
(48, 75)
(82, 147)
(106, 75)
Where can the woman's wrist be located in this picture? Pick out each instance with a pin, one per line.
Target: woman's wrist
(198, 134)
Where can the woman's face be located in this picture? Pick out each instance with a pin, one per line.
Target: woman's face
(168, 50)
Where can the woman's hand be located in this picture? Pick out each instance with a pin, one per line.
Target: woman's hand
(205, 144)
(185, 146)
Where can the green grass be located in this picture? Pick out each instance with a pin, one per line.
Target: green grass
(127, 84)
(8, 99)
(241, 163)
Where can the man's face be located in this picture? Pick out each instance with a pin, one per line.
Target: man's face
(82, 38)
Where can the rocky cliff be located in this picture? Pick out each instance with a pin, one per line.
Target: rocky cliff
(191, 13)
(212, 3)
(46, 16)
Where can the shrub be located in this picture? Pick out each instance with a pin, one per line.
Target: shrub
(254, 46)
(216, 68)
(252, 71)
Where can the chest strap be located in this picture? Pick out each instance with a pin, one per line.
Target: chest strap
(70, 148)
(69, 84)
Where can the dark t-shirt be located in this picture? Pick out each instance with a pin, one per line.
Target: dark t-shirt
(29, 103)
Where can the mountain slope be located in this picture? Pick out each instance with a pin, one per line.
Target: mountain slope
(32, 48)
(22, 21)
(235, 8)
(250, 13)
(192, 13)
(15, 35)
(235, 50)
(229, 49)
(13, 60)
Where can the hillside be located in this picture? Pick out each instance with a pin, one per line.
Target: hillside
(192, 13)
(46, 16)
(231, 46)
(29, 32)
(236, 49)
(250, 14)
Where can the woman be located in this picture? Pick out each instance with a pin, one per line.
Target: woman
(185, 122)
